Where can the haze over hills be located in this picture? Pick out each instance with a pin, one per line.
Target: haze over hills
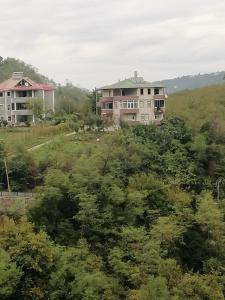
(191, 82)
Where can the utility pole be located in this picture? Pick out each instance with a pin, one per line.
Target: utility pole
(6, 168)
(7, 175)
(96, 99)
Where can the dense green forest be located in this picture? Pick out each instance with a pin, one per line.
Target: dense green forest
(133, 214)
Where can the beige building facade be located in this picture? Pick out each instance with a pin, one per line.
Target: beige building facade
(14, 94)
(132, 100)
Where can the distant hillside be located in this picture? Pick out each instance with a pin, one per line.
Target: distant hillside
(68, 97)
(193, 82)
(199, 106)
(10, 65)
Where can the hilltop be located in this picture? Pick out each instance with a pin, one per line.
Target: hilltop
(191, 82)
(199, 106)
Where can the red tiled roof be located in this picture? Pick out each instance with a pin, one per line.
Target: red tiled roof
(11, 85)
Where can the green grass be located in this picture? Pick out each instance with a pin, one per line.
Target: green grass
(199, 106)
(28, 137)
(66, 150)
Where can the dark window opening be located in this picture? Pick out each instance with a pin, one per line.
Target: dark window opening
(149, 91)
(156, 91)
(159, 104)
(13, 106)
(23, 83)
(142, 91)
(1, 94)
(8, 94)
(123, 93)
(25, 94)
(21, 106)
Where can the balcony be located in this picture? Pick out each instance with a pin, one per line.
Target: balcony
(125, 111)
(106, 111)
(22, 112)
(159, 110)
(117, 98)
(159, 97)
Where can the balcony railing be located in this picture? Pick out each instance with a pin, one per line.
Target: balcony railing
(159, 97)
(124, 111)
(118, 98)
(106, 111)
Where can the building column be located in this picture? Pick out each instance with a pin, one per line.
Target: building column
(5, 107)
(43, 97)
(53, 100)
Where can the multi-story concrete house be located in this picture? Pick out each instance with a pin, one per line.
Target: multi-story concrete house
(132, 100)
(14, 94)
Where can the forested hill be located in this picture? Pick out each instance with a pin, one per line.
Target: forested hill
(10, 65)
(199, 106)
(68, 97)
(193, 82)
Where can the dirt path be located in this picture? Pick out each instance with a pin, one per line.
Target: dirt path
(43, 144)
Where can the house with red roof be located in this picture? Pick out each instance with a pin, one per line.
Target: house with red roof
(14, 94)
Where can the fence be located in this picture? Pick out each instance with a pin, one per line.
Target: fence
(15, 201)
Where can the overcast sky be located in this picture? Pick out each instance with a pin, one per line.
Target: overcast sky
(97, 42)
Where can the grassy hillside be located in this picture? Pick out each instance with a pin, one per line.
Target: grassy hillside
(193, 82)
(199, 106)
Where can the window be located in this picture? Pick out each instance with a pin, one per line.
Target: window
(9, 106)
(123, 93)
(156, 91)
(21, 106)
(159, 104)
(24, 94)
(130, 104)
(142, 91)
(149, 91)
(23, 83)
(109, 105)
(141, 104)
(8, 94)
(9, 119)
(1, 94)
(142, 117)
(131, 117)
(13, 106)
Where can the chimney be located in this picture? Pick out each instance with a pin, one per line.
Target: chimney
(17, 75)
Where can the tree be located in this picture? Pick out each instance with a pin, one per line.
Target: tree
(10, 275)
(79, 275)
(36, 106)
(31, 253)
